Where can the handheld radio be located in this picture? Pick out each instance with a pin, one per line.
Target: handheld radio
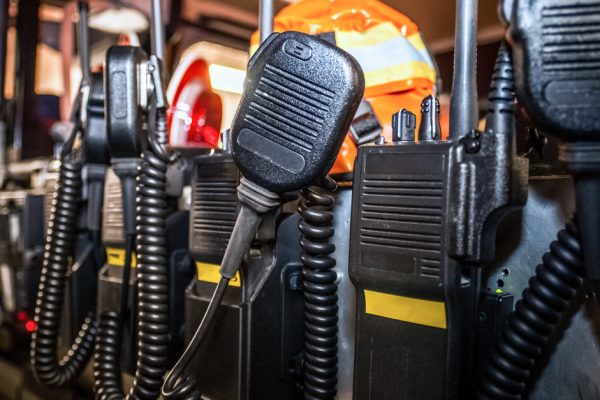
(299, 98)
(557, 82)
(423, 223)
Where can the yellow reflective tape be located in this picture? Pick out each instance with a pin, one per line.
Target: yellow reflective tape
(400, 308)
(386, 54)
(416, 40)
(400, 72)
(116, 257)
(352, 39)
(378, 34)
(210, 273)
(253, 49)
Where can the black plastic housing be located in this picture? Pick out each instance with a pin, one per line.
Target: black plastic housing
(300, 96)
(240, 359)
(397, 247)
(96, 141)
(424, 216)
(33, 249)
(557, 64)
(96, 157)
(214, 206)
(124, 111)
(110, 276)
(112, 214)
(110, 285)
(557, 68)
(253, 348)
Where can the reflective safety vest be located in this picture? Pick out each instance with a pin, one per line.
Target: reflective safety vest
(399, 71)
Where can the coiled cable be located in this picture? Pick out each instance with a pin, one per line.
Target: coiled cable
(152, 285)
(152, 277)
(535, 318)
(107, 354)
(107, 357)
(47, 368)
(320, 291)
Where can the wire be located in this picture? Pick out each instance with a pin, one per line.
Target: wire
(152, 283)
(542, 306)
(320, 291)
(177, 386)
(129, 246)
(255, 201)
(107, 365)
(62, 232)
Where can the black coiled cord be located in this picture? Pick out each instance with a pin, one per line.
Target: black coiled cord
(107, 354)
(152, 277)
(107, 357)
(320, 291)
(152, 285)
(535, 318)
(60, 240)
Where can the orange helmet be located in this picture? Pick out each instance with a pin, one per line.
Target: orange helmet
(399, 72)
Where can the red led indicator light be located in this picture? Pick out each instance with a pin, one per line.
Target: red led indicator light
(30, 326)
(22, 316)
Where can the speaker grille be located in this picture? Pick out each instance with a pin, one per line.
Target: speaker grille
(571, 36)
(288, 109)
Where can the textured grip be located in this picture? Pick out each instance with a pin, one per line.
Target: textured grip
(124, 112)
(214, 206)
(112, 222)
(399, 261)
(401, 212)
(557, 64)
(300, 96)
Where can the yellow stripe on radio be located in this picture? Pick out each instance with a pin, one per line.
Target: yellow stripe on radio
(210, 273)
(407, 309)
(116, 257)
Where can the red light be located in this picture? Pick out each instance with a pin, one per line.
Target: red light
(22, 316)
(194, 118)
(30, 326)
